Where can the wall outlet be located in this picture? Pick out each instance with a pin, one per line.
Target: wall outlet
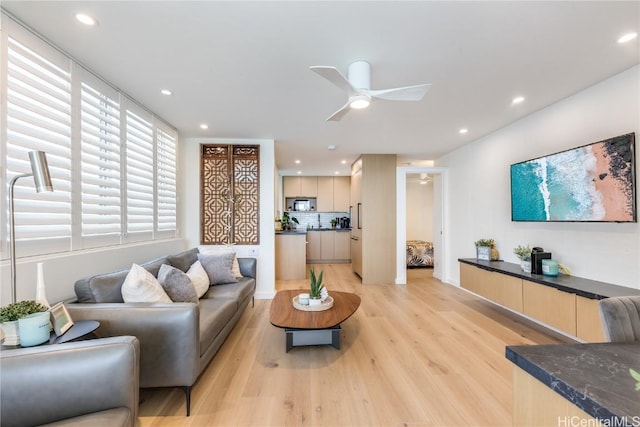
(254, 251)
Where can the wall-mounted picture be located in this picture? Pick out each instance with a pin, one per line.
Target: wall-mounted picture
(592, 183)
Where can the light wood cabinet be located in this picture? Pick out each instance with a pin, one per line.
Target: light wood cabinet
(313, 246)
(341, 193)
(588, 323)
(300, 186)
(549, 305)
(290, 256)
(503, 289)
(327, 249)
(324, 203)
(342, 246)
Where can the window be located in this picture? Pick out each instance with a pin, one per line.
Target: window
(100, 163)
(113, 163)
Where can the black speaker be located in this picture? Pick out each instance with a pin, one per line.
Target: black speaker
(536, 261)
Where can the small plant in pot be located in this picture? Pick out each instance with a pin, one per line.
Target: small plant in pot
(10, 316)
(315, 293)
(490, 254)
(524, 255)
(289, 221)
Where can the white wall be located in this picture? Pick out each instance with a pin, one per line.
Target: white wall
(479, 189)
(419, 210)
(189, 206)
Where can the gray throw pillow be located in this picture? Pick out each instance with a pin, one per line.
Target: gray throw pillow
(177, 284)
(218, 267)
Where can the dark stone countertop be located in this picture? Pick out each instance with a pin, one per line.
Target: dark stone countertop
(293, 232)
(587, 288)
(594, 377)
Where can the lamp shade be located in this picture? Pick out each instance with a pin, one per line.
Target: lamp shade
(40, 170)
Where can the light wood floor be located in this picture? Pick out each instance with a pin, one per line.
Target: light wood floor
(424, 354)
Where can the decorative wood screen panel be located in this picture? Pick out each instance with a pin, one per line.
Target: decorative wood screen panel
(230, 194)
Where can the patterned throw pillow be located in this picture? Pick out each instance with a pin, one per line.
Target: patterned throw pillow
(177, 284)
(141, 286)
(223, 250)
(199, 278)
(218, 267)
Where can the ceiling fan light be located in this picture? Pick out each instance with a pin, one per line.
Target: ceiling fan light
(359, 101)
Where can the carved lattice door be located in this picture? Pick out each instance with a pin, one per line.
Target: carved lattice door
(230, 194)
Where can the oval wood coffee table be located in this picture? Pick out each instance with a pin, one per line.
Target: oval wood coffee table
(311, 327)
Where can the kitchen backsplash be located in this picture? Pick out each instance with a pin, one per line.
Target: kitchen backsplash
(310, 219)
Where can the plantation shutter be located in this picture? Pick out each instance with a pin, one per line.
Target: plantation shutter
(38, 117)
(139, 173)
(166, 179)
(100, 163)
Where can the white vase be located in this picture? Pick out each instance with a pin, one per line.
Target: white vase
(315, 301)
(41, 294)
(10, 331)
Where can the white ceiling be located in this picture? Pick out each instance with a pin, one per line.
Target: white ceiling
(243, 67)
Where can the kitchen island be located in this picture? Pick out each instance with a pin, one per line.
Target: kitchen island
(575, 384)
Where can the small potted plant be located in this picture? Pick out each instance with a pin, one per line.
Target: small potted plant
(315, 293)
(10, 316)
(334, 222)
(289, 221)
(524, 255)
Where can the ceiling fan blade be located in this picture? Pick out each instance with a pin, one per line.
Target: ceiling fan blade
(407, 93)
(335, 117)
(334, 76)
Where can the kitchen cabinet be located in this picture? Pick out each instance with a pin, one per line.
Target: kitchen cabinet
(550, 306)
(290, 256)
(373, 186)
(503, 289)
(313, 246)
(328, 247)
(333, 194)
(327, 242)
(300, 186)
(342, 246)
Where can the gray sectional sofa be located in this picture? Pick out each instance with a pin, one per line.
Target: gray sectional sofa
(177, 340)
(87, 383)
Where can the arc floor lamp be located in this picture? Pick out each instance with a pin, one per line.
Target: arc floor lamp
(42, 180)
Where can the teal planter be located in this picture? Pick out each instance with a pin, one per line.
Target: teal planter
(34, 329)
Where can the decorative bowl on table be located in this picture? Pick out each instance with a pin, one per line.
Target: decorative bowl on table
(326, 304)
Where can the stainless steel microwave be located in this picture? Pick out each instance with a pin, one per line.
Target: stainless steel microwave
(301, 205)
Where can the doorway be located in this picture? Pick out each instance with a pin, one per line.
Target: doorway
(438, 216)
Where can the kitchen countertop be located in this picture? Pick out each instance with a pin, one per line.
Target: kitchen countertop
(305, 230)
(594, 377)
(587, 288)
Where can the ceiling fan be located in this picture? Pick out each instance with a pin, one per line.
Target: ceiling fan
(358, 88)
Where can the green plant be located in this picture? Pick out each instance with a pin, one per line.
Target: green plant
(523, 252)
(485, 242)
(287, 220)
(18, 310)
(316, 284)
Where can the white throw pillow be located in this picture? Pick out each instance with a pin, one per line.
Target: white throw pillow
(235, 268)
(199, 278)
(141, 286)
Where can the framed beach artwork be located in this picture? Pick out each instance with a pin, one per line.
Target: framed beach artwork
(592, 183)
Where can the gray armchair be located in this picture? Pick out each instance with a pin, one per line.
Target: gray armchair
(620, 318)
(86, 383)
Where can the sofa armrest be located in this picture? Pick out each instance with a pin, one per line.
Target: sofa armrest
(248, 267)
(169, 337)
(55, 382)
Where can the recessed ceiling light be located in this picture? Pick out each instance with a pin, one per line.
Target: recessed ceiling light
(337, 172)
(166, 92)
(86, 19)
(331, 147)
(463, 130)
(204, 126)
(517, 100)
(299, 172)
(627, 37)
(297, 162)
(344, 162)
